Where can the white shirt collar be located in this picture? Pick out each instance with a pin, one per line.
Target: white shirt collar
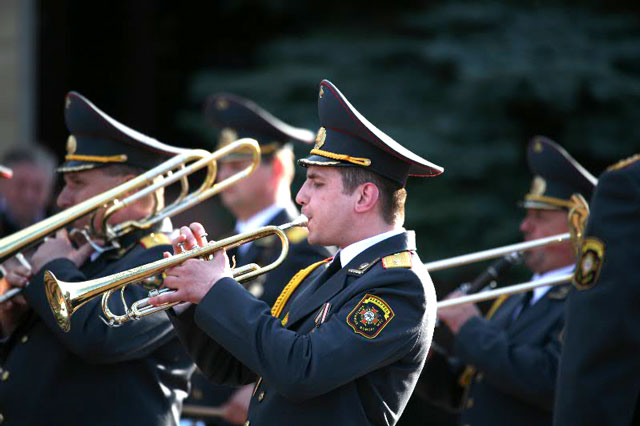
(259, 219)
(348, 253)
(541, 291)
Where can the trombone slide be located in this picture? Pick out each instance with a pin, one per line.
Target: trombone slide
(495, 252)
(508, 290)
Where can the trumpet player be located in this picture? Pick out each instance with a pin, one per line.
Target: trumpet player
(94, 375)
(346, 339)
(503, 370)
(261, 199)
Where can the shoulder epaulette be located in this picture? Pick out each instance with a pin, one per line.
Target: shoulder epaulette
(398, 260)
(155, 239)
(624, 163)
(296, 234)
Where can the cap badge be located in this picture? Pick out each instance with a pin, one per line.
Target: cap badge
(538, 186)
(72, 145)
(321, 94)
(537, 147)
(320, 137)
(227, 135)
(222, 104)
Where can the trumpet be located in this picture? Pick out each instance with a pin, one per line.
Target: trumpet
(176, 169)
(65, 298)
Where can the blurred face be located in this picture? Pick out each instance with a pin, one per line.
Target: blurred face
(249, 195)
(82, 185)
(28, 192)
(539, 223)
(329, 210)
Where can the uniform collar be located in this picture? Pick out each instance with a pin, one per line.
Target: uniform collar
(539, 292)
(348, 253)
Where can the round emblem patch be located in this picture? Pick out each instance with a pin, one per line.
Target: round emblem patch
(589, 265)
(370, 316)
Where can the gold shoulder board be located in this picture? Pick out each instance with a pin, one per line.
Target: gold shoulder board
(155, 239)
(296, 234)
(624, 163)
(398, 260)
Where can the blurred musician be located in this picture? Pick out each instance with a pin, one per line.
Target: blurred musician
(93, 375)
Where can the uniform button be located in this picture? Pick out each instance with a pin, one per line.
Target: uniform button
(479, 377)
(469, 403)
(1, 418)
(24, 339)
(5, 376)
(247, 423)
(260, 396)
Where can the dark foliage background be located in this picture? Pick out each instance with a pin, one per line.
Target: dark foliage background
(465, 84)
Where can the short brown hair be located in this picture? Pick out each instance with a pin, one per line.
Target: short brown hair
(392, 195)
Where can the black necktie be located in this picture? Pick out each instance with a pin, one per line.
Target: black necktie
(526, 302)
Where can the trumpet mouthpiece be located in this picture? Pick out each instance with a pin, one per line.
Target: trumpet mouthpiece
(301, 220)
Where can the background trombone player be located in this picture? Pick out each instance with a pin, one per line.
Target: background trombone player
(511, 357)
(137, 374)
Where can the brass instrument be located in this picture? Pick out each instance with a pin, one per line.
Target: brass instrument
(466, 259)
(512, 289)
(175, 169)
(577, 219)
(65, 298)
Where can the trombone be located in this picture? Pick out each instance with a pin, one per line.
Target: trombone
(65, 297)
(175, 169)
(577, 219)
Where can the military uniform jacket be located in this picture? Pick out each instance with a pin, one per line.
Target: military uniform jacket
(266, 287)
(93, 375)
(322, 373)
(599, 378)
(516, 361)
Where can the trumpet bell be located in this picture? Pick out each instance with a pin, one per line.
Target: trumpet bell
(59, 300)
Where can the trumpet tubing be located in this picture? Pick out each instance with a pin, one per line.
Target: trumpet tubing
(65, 297)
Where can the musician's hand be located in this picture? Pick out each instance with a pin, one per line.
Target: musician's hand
(59, 247)
(456, 316)
(18, 276)
(193, 279)
(12, 312)
(236, 409)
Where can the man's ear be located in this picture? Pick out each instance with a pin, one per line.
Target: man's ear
(368, 195)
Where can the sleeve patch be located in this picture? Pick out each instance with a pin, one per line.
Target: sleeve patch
(589, 264)
(155, 239)
(370, 316)
(398, 260)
